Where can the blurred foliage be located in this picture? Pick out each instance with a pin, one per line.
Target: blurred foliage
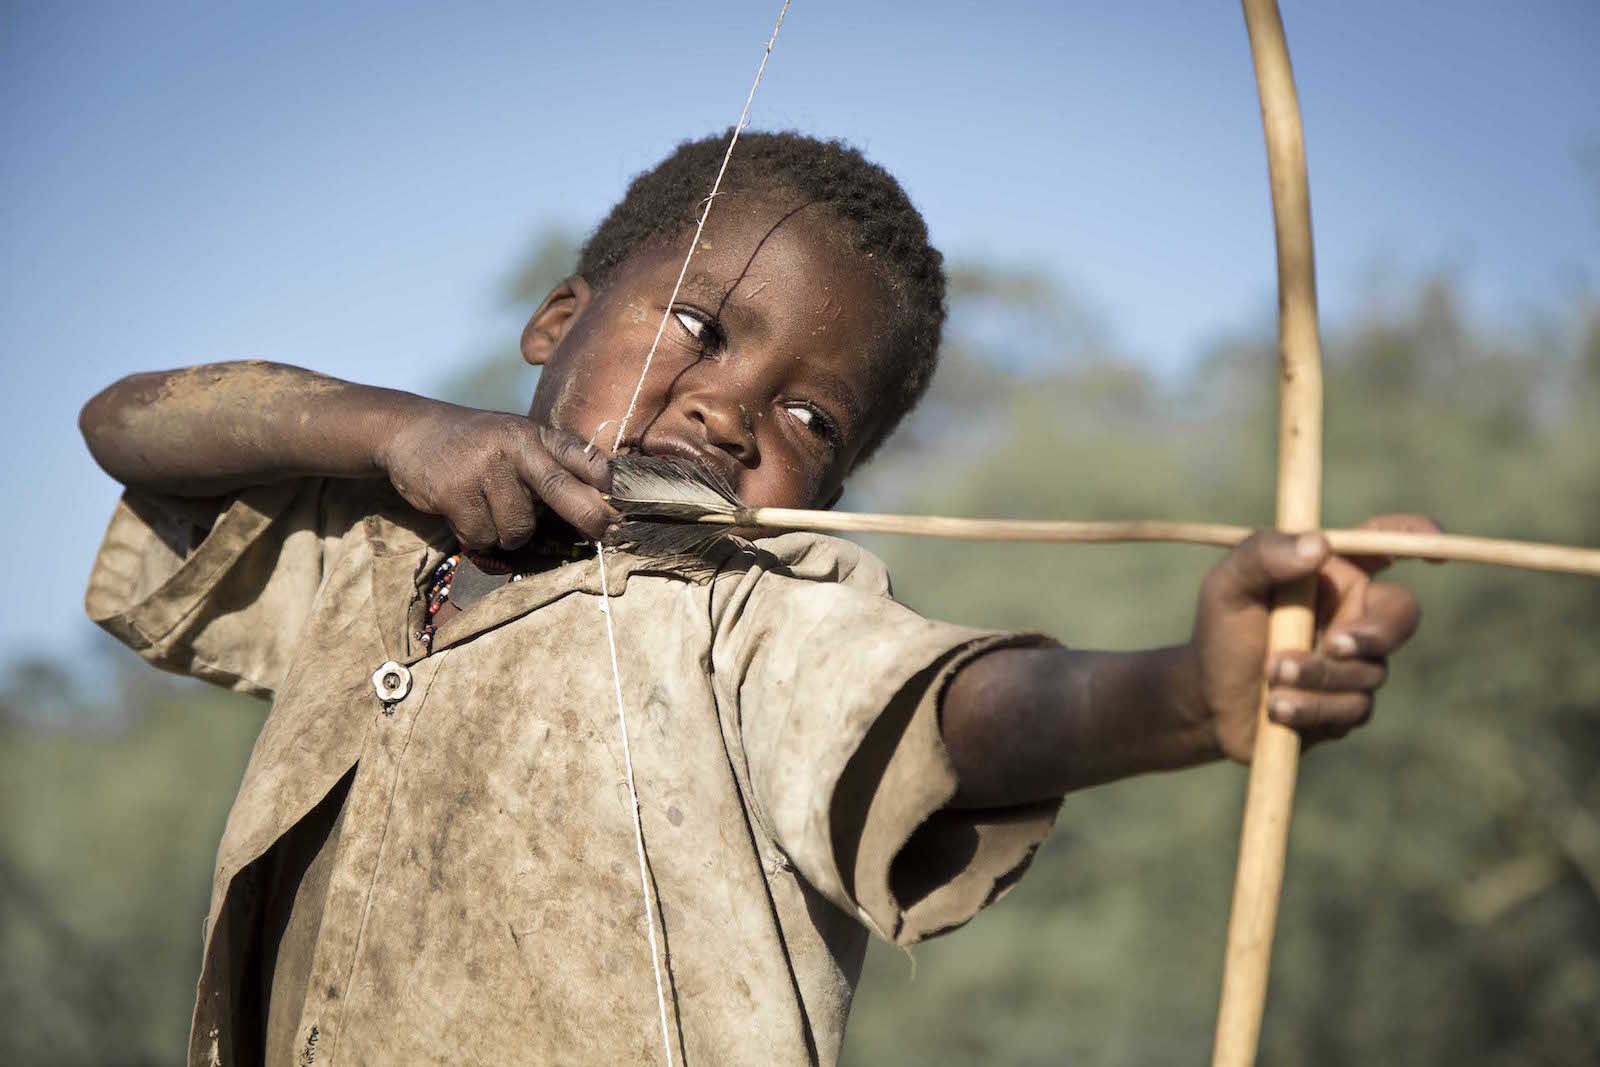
(1443, 895)
(501, 380)
(112, 808)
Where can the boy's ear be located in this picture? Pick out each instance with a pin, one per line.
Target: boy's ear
(554, 318)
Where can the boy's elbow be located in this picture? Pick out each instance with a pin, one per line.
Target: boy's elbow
(96, 419)
(105, 420)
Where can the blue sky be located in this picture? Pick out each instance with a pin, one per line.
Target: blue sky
(347, 186)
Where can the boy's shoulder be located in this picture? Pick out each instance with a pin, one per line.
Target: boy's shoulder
(815, 557)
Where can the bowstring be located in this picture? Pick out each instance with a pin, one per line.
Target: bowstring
(600, 552)
(705, 212)
(633, 795)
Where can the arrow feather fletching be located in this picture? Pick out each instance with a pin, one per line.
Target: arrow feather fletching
(671, 507)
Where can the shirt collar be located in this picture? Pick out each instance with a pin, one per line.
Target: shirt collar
(406, 548)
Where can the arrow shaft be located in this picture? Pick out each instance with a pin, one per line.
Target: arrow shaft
(1527, 555)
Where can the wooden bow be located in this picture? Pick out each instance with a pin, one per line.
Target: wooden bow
(1264, 838)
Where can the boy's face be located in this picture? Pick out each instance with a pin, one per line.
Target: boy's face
(765, 369)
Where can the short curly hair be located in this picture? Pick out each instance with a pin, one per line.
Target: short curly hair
(663, 203)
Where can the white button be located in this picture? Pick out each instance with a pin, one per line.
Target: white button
(392, 682)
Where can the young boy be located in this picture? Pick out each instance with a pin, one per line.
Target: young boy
(436, 862)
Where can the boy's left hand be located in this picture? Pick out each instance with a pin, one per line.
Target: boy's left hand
(1324, 693)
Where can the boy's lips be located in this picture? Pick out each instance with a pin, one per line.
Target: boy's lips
(719, 461)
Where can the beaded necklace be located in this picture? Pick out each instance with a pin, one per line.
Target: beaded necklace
(438, 593)
(492, 563)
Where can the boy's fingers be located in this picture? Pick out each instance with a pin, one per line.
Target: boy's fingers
(589, 512)
(1401, 522)
(1267, 559)
(1318, 711)
(578, 502)
(1390, 615)
(1308, 670)
(1404, 522)
(473, 523)
(1341, 591)
(1317, 735)
(511, 508)
(587, 464)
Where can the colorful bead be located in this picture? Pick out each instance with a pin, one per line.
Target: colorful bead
(438, 593)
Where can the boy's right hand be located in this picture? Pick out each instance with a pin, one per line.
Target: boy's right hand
(486, 474)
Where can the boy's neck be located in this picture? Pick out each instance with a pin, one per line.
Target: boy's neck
(553, 542)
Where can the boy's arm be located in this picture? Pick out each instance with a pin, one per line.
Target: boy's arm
(1027, 724)
(209, 430)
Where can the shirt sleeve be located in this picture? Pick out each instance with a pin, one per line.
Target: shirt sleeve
(836, 689)
(219, 589)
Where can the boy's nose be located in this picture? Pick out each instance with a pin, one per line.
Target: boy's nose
(725, 423)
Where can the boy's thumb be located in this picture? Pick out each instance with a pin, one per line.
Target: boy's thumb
(1267, 559)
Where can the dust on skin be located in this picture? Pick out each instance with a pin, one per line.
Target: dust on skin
(195, 388)
(572, 391)
(828, 313)
(171, 403)
(637, 311)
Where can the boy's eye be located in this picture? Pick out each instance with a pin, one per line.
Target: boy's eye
(692, 323)
(701, 327)
(813, 420)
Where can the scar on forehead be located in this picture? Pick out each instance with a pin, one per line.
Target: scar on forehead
(751, 294)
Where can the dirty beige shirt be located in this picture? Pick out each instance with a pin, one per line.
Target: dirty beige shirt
(483, 902)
